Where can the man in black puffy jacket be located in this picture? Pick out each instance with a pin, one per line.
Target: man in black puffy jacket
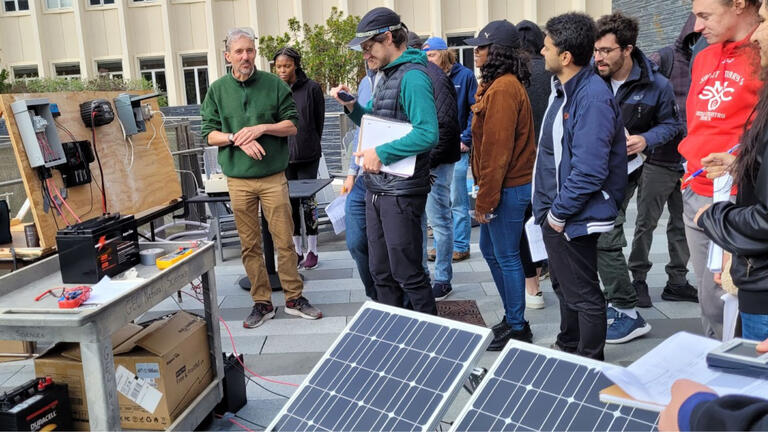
(441, 160)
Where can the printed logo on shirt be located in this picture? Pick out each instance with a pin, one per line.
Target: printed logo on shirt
(716, 94)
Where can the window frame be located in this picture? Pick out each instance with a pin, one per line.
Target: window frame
(153, 71)
(17, 9)
(27, 66)
(79, 75)
(462, 50)
(60, 8)
(101, 4)
(110, 74)
(195, 69)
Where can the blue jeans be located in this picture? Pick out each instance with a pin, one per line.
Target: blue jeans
(357, 239)
(500, 246)
(462, 225)
(754, 326)
(438, 214)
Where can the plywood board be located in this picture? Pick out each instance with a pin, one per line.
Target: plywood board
(149, 183)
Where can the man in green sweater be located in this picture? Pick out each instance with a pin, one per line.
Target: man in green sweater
(394, 205)
(248, 114)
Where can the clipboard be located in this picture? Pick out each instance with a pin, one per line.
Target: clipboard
(375, 131)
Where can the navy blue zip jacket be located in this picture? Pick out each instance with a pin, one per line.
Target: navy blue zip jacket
(581, 165)
(648, 107)
(466, 86)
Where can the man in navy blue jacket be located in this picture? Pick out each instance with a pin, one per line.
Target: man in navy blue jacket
(581, 173)
(650, 116)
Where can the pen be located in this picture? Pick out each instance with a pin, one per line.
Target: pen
(701, 170)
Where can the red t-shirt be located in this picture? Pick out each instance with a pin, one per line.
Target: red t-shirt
(724, 91)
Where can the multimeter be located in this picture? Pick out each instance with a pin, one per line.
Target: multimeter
(741, 357)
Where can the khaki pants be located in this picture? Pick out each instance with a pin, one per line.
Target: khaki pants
(272, 193)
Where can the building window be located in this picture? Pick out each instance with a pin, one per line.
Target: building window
(153, 70)
(110, 68)
(67, 70)
(464, 53)
(58, 4)
(144, 1)
(195, 78)
(16, 5)
(100, 2)
(25, 73)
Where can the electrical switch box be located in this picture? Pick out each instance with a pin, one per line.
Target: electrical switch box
(38, 132)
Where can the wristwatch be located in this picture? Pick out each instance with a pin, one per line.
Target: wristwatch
(231, 138)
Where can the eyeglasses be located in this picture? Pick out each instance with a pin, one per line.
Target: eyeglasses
(605, 51)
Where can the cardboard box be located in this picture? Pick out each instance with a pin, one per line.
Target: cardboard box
(163, 367)
(11, 350)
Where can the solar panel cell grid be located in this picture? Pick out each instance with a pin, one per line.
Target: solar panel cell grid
(527, 390)
(388, 371)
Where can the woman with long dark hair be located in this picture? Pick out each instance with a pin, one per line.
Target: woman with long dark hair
(304, 147)
(742, 228)
(503, 154)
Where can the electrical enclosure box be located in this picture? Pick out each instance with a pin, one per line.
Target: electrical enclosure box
(130, 112)
(38, 132)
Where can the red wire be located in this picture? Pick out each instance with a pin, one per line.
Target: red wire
(49, 181)
(237, 356)
(235, 422)
(55, 204)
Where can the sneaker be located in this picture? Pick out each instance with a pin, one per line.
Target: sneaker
(310, 261)
(611, 314)
(441, 290)
(300, 307)
(535, 301)
(260, 313)
(500, 327)
(643, 298)
(624, 329)
(500, 340)
(460, 256)
(431, 255)
(299, 259)
(680, 293)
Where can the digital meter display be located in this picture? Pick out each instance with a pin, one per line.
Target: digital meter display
(745, 349)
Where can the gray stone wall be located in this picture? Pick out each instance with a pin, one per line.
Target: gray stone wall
(660, 20)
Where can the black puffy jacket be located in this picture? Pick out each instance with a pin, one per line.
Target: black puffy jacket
(742, 229)
(448, 148)
(310, 103)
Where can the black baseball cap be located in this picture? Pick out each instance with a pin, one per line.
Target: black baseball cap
(500, 32)
(376, 21)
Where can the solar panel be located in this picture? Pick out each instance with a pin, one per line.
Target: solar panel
(390, 370)
(539, 389)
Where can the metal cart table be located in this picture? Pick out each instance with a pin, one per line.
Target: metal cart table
(21, 318)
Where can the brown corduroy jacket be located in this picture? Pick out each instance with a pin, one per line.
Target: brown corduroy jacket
(503, 143)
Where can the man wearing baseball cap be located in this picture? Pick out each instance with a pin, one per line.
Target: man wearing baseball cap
(395, 205)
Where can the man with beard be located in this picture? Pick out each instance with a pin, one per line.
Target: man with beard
(651, 121)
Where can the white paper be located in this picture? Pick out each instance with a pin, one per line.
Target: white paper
(683, 355)
(109, 289)
(635, 163)
(375, 131)
(730, 313)
(721, 192)
(535, 241)
(336, 212)
(137, 390)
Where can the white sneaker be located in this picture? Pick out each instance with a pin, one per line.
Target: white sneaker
(534, 301)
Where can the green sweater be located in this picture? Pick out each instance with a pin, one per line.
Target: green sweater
(231, 105)
(418, 102)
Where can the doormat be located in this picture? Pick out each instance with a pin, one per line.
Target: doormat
(460, 310)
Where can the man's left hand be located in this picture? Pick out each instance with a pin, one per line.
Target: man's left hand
(371, 161)
(635, 144)
(248, 134)
(557, 228)
(700, 212)
(682, 389)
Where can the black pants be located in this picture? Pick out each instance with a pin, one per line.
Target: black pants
(393, 226)
(303, 171)
(529, 267)
(573, 271)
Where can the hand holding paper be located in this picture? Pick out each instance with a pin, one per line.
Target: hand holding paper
(370, 160)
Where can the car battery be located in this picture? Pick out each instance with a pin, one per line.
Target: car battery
(38, 405)
(104, 246)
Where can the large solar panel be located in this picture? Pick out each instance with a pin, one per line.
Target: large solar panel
(390, 370)
(539, 389)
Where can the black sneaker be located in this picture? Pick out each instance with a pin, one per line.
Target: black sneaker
(500, 341)
(680, 293)
(441, 290)
(643, 298)
(260, 313)
(500, 327)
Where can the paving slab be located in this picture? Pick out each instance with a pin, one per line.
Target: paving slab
(299, 343)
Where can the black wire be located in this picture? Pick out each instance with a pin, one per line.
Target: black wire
(48, 197)
(248, 377)
(249, 421)
(96, 152)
